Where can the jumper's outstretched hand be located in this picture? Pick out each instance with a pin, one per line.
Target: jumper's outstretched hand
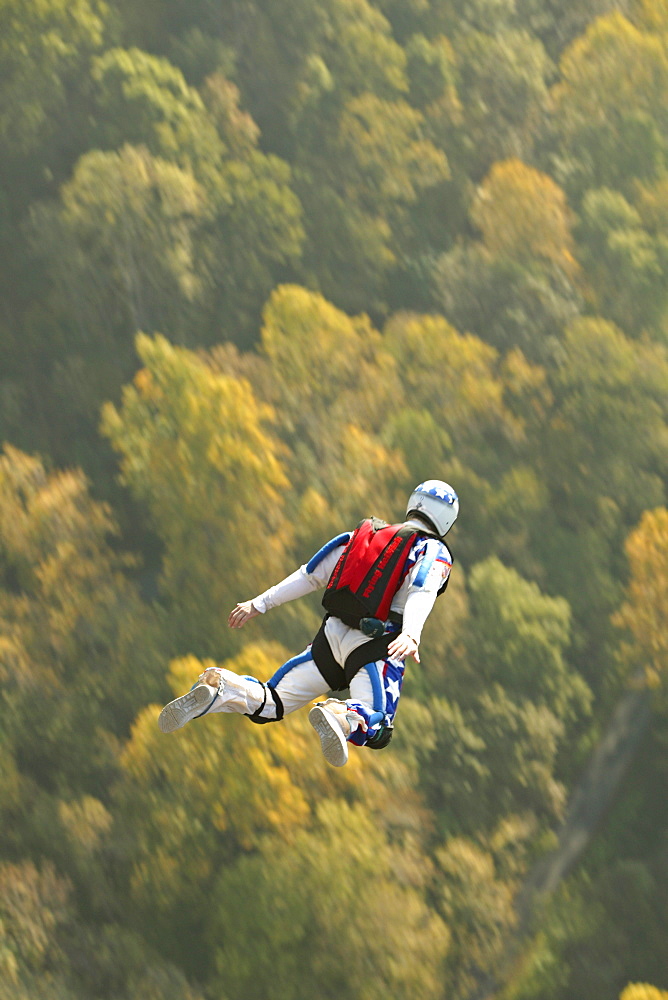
(242, 614)
(404, 645)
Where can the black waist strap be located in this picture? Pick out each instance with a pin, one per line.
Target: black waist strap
(394, 618)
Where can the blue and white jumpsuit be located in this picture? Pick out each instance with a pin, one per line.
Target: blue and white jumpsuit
(374, 690)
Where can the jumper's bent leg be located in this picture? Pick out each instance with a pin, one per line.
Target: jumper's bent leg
(374, 694)
(293, 685)
(366, 718)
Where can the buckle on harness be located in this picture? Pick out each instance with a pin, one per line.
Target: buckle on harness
(373, 627)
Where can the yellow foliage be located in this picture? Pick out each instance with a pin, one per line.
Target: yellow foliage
(333, 386)
(219, 776)
(613, 67)
(195, 448)
(645, 611)
(477, 904)
(523, 214)
(382, 138)
(316, 351)
(453, 375)
(86, 821)
(652, 14)
(312, 920)
(652, 204)
(32, 904)
(641, 991)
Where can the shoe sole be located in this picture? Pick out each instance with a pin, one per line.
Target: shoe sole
(183, 709)
(332, 740)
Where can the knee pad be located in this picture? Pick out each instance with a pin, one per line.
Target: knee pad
(381, 739)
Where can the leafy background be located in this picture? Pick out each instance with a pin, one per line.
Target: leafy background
(265, 266)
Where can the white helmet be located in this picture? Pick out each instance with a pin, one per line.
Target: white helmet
(436, 501)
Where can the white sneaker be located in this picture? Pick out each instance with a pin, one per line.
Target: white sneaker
(195, 702)
(332, 737)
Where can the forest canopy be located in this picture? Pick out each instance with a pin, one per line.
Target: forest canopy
(265, 267)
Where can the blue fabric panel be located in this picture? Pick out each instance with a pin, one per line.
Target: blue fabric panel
(326, 549)
(287, 667)
(377, 688)
(425, 565)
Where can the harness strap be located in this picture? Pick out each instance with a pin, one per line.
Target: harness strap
(339, 677)
(256, 716)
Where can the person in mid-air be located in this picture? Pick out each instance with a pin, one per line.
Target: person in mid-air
(381, 583)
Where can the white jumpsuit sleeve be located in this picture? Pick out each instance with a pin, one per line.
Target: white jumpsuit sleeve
(422, 586)
(304, 580)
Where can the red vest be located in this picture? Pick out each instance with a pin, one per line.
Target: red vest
(369, 572)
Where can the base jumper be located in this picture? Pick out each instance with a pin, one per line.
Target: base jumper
(381, 583)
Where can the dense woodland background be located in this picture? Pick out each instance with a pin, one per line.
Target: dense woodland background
(265, 266)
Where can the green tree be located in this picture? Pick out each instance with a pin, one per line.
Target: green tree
(603, 459)
(505, 98)
(626, 264)
(500, 703)
(252, 224)
(508, 303)
(519, 638)
(44, 49)
(357, 180)
(143, 99)
(126, 233)
(255, 234)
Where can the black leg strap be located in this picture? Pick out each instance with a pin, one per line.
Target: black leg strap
(280, 712)
(324, 660)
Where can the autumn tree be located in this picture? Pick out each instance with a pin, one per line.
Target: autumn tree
(191, 797)
(126, 232)
(195, 450)
(34, 905)
(644, 613)
(642, 991)
(331, 386)
(477, 904)
(523, 214)
(517, 286)
(309, 927)
(612, 80)
(70, 617)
